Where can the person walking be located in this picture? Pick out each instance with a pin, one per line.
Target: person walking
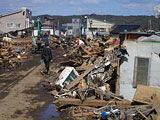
(45, 38)
(46, 57)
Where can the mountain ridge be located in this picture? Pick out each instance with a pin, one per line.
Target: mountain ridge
(142, 20)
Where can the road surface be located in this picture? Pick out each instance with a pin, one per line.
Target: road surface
(21, 98)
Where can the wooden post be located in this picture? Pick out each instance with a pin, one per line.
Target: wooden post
(118, 80)
(125, 37)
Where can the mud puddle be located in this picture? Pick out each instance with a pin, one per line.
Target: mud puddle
(50, 113)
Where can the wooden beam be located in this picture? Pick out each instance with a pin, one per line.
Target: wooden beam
(111, 48)
(74, 50)
(82, 114)
(86, 51)
(77, 80)
(142, 114)
(94, 103)
(118, 80)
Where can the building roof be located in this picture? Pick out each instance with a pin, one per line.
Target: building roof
(125, 27)
(48, 17)
(18, 11)
(130, 32)
(104, 21)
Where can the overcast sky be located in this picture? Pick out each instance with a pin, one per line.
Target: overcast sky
(77, 7)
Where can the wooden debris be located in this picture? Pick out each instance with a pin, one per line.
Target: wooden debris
(54, 92)
(9, 58)
(94, 103)
(144, 94)
(77, 80)
(142, 114)
(96, 62)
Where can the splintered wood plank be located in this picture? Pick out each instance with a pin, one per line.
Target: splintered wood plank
(90, 102)
(144, 94)
(86, 51)
(87, 56)
(74, 50)
(83, 67)
(142, 114)
(156, 104)
(118, 80)
(77, 80)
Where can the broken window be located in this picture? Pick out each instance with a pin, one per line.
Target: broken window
(23, 13)
(141, 71)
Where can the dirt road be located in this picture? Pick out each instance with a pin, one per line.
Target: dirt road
(21, 98)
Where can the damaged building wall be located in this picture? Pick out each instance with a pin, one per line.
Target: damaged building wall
(129, 67)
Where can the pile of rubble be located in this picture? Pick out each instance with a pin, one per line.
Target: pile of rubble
(13, 51)
(88, 85)
(86, 77)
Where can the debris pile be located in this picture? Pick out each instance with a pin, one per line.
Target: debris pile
(86, 76)
(88, 88)
(13, 51)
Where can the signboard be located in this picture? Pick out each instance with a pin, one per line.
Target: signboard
(27, 23)
(76, 21)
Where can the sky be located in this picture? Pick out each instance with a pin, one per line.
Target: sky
(78, 7)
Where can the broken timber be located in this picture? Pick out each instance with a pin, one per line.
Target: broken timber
(89, 102)
(77, 80)
(118, 80)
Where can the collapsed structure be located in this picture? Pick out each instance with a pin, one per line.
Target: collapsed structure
(13, 51)
(90, 82)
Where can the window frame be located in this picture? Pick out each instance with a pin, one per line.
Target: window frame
(135, 71)
(14, 25)
(23, 13)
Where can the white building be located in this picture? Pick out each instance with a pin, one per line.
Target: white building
(45, 29)
(75, 30)
(94, 26)
(142, 66)
(65, 30)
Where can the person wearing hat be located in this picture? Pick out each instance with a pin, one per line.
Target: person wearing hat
(46, 57)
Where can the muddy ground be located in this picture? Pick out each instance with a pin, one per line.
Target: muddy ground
(21, 95)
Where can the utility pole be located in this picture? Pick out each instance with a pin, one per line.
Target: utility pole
(150, 24)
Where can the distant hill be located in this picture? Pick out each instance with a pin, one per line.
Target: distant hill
(141, 20)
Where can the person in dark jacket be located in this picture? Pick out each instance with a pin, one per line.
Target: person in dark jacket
(46, 56)
(45, 37)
